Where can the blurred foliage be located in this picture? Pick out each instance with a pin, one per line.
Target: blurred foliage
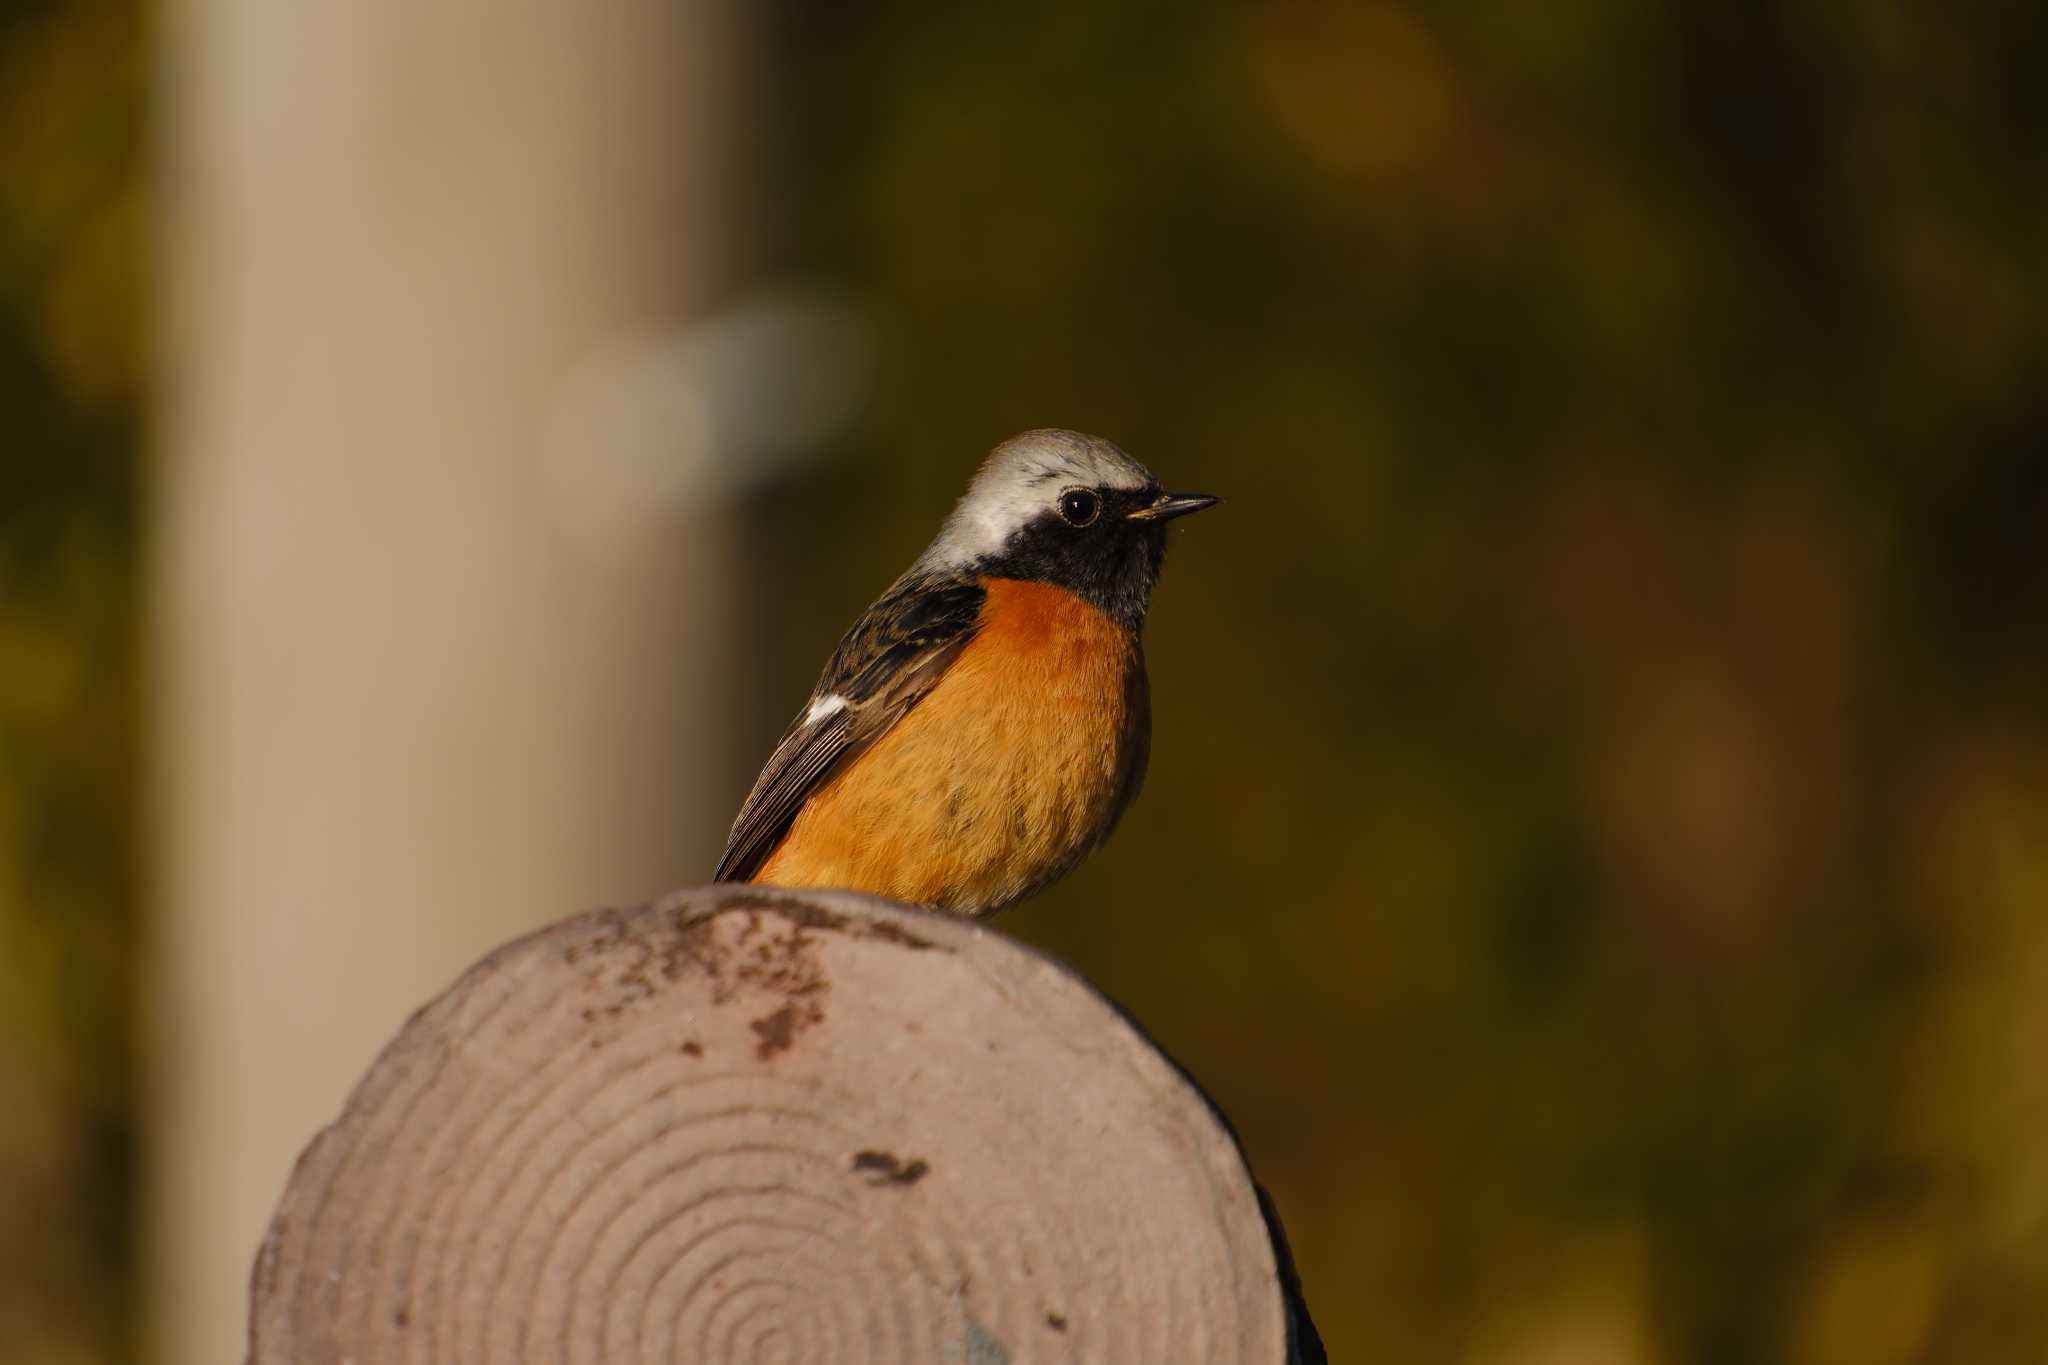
(73, 229)
(1597, 840)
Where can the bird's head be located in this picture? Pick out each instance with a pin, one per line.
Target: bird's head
(1068, 509)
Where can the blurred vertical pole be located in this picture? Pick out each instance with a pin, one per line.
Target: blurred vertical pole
(403, 709)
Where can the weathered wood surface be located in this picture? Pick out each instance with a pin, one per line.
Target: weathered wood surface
(756, 1126)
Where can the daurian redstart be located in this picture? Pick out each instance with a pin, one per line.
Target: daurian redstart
(982, 726)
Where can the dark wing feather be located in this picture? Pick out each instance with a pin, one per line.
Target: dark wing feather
(892, 657)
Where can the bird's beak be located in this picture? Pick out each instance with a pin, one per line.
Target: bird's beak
(1167, 506)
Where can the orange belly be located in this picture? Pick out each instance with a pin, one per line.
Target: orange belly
(1006, 775)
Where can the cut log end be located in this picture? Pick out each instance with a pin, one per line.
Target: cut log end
(755, 1126)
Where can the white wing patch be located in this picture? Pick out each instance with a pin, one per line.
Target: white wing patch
(829, 704)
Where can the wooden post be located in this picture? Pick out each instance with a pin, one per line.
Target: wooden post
(747, 1125)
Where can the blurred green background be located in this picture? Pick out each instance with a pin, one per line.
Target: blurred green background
(1596, 847)
(74, 249)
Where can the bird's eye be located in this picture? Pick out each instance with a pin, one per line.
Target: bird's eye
(1078, 506)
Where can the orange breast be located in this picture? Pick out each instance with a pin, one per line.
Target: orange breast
(1014, 767)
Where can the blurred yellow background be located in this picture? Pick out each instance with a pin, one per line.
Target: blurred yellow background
(1596, 846)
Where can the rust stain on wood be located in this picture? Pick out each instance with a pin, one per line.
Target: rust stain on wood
(755, 943)
(779, 1030)
(886, 1168)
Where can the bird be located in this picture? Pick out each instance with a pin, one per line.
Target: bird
(983, 725)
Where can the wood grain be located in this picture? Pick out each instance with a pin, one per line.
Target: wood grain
(747, 1125)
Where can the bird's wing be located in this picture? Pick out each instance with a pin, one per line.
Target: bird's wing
(893, 656)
